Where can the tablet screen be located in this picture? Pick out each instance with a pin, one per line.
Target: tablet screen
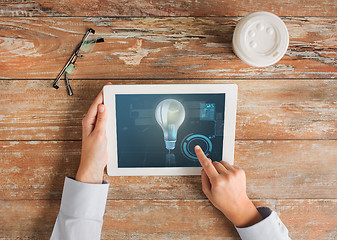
(161, 130)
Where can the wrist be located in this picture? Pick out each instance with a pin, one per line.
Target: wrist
(246, 215)
(89, 175)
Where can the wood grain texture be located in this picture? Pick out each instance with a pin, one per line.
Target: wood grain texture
(267, 109)
(14, 8)
(134, 48)
(169, 219)
(36, 170)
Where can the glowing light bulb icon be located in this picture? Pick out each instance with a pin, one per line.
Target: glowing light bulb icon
(170, 114)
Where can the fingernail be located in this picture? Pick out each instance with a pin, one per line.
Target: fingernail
(101, 108)
(197, 147)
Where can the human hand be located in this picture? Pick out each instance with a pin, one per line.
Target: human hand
(225, 186)
(94, 156)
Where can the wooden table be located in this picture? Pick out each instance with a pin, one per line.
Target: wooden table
(286, 137)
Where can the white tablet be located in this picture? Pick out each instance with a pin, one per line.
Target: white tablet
(153, 129)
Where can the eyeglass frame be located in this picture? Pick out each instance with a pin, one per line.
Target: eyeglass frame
(73, 57)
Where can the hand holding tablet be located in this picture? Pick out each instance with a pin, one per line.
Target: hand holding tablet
(220, 180)
(94, 144)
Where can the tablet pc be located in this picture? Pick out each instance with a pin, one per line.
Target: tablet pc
(153, 129)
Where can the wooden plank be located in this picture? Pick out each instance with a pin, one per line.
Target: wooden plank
(169, 219)
(274, 169)
(188, 47)
(267, 109)
(15, 8)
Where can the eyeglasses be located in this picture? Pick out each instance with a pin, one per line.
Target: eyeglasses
(84, 47)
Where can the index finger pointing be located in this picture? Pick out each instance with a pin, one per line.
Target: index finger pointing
(206, 163)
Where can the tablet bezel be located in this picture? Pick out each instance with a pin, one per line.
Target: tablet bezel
(109, 92)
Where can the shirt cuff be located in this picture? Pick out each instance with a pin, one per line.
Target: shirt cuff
(270, 227)
(84, 200)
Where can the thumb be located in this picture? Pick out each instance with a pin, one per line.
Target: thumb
(102, 117)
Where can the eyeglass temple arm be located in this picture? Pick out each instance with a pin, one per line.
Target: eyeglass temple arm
(63, 70)
(73, 57)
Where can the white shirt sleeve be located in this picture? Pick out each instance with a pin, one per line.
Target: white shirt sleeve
(81, 212)
(269, 228)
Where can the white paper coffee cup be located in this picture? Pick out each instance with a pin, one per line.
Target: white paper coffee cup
(260, 39)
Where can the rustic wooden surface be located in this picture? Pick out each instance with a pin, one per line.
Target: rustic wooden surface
(169, 219)
(286, 137)
(153, 48)
(15, 8)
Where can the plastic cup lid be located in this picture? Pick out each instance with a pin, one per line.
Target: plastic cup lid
(260, 39)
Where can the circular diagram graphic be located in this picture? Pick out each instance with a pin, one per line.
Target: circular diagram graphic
(190, 141)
